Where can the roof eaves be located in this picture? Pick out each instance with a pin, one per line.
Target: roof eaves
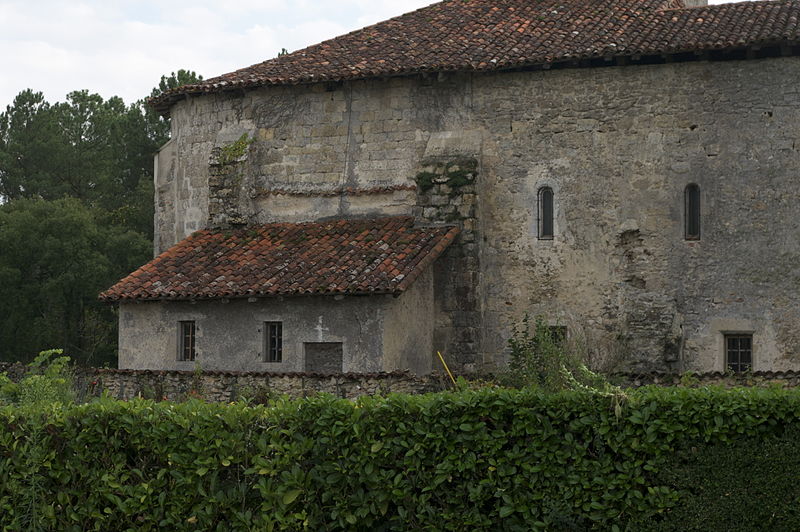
(434, 254)
(150, 298)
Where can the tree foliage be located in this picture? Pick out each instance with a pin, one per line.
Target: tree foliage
(57, 257)
(76, 214)
(160, 125)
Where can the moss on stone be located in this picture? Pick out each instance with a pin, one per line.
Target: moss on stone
(234, 151)
(459, 178)
(454, 174)
(424, 180)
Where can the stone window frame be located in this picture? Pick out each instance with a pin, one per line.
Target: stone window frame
(187, 330)
(542, 232)
(734, 335)
(692, 212)
(272, 354)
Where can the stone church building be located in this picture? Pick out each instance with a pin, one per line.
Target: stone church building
(627, 169)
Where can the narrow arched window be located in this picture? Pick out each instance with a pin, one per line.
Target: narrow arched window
(546, 229)
(692, 212)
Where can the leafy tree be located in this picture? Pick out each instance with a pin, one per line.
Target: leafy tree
(57, 256)
(76, 214)
(175, 80)
(87, 148)
(28, 133)
(99, 151)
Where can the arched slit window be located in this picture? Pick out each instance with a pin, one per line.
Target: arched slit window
(546, 229)
(692, 212)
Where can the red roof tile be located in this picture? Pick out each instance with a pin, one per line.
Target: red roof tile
(481, 35)
(338, 257)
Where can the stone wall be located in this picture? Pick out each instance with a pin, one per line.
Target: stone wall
(233, 386)
(617, 145)
(230, 334)
(786, 379)
(258, 387)
(446, 193)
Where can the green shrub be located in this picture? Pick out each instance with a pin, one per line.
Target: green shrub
(540, 358)
(488, 459)
(48, 380)
(746, 484)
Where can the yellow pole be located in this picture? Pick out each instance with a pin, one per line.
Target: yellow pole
(445, 367)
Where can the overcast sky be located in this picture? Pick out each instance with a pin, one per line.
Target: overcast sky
(122, 47)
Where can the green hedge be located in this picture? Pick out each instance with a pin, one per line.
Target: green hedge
(477, 460)
(751, 483)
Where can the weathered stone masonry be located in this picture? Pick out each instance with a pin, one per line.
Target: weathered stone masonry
(259, 387)
(225, 178)
(447, 194)
(617, 145)
(235, 386)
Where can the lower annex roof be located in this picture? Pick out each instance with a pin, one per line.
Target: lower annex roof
(363, 256)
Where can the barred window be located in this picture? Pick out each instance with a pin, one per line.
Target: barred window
(186, 345)
(273, 341)
(739, 352)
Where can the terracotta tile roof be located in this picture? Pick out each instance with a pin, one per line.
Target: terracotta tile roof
(481, 35)
(338, 257)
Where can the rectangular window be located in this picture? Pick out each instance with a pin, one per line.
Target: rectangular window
(186, 346)
(739, 352)
(273, 341)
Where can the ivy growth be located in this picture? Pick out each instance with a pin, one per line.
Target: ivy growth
(460, 173)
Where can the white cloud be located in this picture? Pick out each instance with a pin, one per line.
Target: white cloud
(122, 47)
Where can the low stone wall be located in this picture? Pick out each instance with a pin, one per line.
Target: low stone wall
(259, 387)
(691, 380)
(233, 386)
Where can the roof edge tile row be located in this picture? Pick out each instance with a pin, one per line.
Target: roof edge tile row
(492, 35)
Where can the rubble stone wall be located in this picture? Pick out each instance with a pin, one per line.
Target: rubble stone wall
(234, 386)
